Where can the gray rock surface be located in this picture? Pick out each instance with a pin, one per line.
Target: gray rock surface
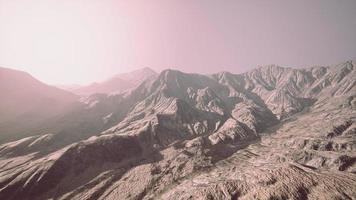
(271, 133)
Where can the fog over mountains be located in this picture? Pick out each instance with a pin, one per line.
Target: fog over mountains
(116, 84)
(270, 133)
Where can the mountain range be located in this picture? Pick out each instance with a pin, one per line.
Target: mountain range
(115, 84)
(270, 133)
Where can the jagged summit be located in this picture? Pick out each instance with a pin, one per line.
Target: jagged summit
(271, 133)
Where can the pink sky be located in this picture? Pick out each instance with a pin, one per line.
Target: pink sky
(80, 41)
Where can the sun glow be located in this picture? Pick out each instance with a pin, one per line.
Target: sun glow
(59, 42)
(80, 41)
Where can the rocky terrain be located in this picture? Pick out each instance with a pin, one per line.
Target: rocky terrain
(42, 109)
(271, 133)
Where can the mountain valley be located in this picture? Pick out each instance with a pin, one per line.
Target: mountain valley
(270, 133)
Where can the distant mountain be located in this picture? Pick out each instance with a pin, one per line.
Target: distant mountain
(117, 83)
(25, 101)
(70, 87)
(30, 107)
(22, 94)
(271, 133)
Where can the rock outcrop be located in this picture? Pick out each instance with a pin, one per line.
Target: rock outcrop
(271, 133)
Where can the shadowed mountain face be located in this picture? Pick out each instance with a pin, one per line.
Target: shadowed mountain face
(116, 84)
(21, 94)
(29, 107)
(26, 101)
(271, 133)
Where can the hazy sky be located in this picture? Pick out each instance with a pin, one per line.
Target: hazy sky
(80, 41)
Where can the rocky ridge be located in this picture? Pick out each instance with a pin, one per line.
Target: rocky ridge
(271, 133)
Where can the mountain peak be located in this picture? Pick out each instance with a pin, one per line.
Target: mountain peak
(170, 72)
(221, 134)
(271, 67)
(119, 82)
(147, 69)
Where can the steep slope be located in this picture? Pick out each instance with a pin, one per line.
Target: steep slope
(46, 111)
(286, 91)
(27, 101)
(272, 133)
(191, 105)
(17, 87)
(166, 115)
(308, 156)
(118, 83)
